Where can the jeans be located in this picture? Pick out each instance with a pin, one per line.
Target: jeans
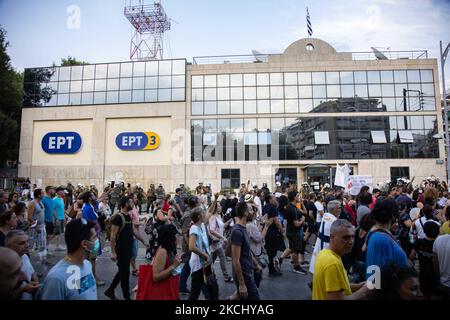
(252, 290)
(223, 260)
(123, 274)
(184, 276)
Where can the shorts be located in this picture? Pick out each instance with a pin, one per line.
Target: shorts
(296, 243)
(59, 227)
(49, 227)
(134, 249)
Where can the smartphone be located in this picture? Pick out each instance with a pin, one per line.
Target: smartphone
(177, 270)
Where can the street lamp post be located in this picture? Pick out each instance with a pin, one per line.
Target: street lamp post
(447, 138)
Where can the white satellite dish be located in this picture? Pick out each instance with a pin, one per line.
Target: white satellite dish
(259, 57)
(378, 54)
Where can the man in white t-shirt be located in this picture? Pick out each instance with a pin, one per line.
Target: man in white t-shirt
(17, 240)
(320, 209)
(323, 238)
(441, 259)
(419, 223)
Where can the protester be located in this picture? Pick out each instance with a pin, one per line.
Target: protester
(49, 209)
(441, 260)
(3, 201)
(81, 239)
(11, 275)
(427, 212)
(13, 198)
(36, 220)
(243, 267)
(8, 222)
(21, 210)
(398, 282)
(122, 231)
(274, 236)
(358, 255)
(58, 204)
(330, 281)
(17, 240)
(365, 199)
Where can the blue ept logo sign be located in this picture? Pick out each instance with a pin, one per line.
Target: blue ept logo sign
(61, 142)
(145, 141)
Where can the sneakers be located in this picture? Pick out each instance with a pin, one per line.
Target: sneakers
(228, 279)
(299, 270)
(277, 263)
(304, 263)
(110, 294)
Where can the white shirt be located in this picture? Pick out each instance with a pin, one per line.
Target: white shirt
(28, 270)
(420, 232)
(201, 242)
(441, 247)
(325, 227)
(258, 204)
(105, 209)
(319, 208)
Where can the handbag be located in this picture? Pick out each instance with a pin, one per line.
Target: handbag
(167, 289)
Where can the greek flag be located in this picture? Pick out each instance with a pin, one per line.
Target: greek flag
(308, 23)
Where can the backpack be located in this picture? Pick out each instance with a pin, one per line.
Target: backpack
(109, 225)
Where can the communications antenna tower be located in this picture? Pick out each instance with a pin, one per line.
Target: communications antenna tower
(149, 23)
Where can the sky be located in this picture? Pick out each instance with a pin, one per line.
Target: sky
(41, 32)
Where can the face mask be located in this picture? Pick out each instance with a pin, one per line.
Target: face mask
(95, 249)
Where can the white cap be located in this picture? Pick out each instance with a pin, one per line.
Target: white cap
(278, 183)
(138, 184)
(248, 198)
(80, 184)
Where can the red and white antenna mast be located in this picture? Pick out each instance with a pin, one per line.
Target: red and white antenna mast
(149, 23)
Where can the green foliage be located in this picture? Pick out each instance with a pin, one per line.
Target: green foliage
(10, 104)
(71, 61)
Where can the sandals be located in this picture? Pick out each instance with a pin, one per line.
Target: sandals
(228, 279)
(135, 272)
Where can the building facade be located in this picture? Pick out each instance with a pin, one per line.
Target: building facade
(289, 117)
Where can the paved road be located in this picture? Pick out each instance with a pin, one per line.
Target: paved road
(290, 286)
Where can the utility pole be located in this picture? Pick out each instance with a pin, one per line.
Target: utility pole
(447, 138)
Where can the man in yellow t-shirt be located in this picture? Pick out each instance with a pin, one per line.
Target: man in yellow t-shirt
(330, 281)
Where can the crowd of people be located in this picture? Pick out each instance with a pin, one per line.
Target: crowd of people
(389, 242)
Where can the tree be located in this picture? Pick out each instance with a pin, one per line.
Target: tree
(71, 61)
(10, 104)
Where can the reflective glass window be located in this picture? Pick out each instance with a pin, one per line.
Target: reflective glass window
(250, 80)
(210, 107)
(249, 93)
(164, 82)
(113, 70)
(88, 72)
(210, 125)
(210, 94)
(276, 92)
(262, 79)
(126, 83)
(75, 86)
(101, 71)
(318, 77)
(178, 67)
(373, 77)
(223, 93)
(55, 74)
(304, 78)
(164, 94)
(347, 77)
(126, 69)
(87, 98)
(360, 76)
(347, 91)
(250, 125)
(263, 106)
(197, 94)
(64, 73)
(210, 81)
(165, 67)
(319, 92)
(291, 106)
(236, 80)
(426, 75)
(305, 91)
(249, 106)
(400, 76)
(405, 136)
(305, 105)
(263, 93)
(178, 94)
(413, 75)
(88, 85)
(113, 84)
(151, 82)
(389, 104)
(151, 68)
(332, 77)
(178, 81)
(290, 79)
(321, 137)
(387, 76)
(210, 139)
(99, 97)
(223, 107)
(291, 92)
(263, 124)
(236, 93)
(100, 85)
(277, 106)
(276, 124)
(333, 91)
(63, 99)
(388, 90)
(75, 99)
(138, 83)
(77, 73)
(139, 69)
(125, 96)
(276, 79)
(237, 125)
(152, 96)
(361, 90)
(64, 87)
(378, 137)
(237, 107)
(197, 108)
(428, 89)
(138, 96)
(223, 80)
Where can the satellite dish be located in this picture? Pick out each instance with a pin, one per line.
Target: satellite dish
(378, 54)
(259, 57)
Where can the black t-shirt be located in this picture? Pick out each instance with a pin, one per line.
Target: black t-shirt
(2, 239)
(239, 237)
(310, 206)
(271, 212)
(292, 214)
(125, 237)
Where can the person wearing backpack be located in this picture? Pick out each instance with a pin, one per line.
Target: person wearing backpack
(381, 246)
(122, 232)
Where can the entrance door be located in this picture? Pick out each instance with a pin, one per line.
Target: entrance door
(286, 176)
(318, 176)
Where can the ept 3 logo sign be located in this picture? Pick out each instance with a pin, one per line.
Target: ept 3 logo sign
(138, 141)
(61, 142)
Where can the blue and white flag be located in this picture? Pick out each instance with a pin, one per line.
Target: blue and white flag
(308, 23)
